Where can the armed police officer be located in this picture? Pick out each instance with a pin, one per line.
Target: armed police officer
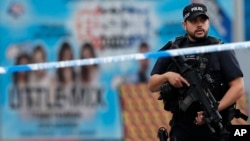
(225, 79)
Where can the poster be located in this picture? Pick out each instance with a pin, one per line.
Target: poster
(80, 102)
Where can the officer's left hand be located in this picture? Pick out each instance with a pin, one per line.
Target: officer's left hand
(199, 120)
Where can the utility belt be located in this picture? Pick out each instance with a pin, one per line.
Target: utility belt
(179, 118)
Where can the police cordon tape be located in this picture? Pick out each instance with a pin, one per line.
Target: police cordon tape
(136, 56)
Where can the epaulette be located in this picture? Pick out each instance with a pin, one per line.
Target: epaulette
(166, 46)
(178, 40)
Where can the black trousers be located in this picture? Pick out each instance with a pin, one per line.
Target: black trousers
(191, 132)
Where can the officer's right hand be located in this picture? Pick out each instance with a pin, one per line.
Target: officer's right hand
(176, 80)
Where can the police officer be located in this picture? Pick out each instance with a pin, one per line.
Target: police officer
(223, 68)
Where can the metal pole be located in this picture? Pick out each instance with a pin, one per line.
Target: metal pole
(238, 21)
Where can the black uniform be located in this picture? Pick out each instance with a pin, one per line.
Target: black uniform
(223, 67)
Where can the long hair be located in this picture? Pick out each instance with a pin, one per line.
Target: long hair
(39, 48)
(85, 72)
(65, 47)
(18, 61)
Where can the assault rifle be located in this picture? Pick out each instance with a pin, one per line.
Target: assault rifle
(199, 91)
